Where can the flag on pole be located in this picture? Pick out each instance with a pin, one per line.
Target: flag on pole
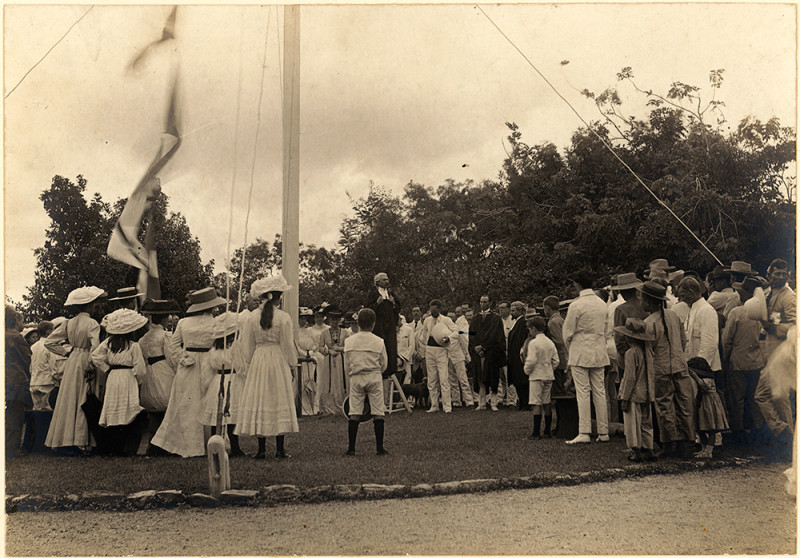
(124, 245)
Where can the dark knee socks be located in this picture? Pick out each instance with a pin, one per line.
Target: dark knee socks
(352, 432)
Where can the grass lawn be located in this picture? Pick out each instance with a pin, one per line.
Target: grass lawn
(423, 448)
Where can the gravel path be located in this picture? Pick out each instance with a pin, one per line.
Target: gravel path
(734, 511)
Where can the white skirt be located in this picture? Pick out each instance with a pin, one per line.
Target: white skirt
(266, 407)
(121, 404)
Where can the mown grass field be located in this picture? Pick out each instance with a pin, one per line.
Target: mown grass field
(423, 448)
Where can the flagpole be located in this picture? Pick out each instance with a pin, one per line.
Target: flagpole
(291, 168)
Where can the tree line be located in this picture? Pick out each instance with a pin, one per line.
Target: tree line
(548, 213)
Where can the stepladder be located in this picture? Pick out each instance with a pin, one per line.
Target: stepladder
(396, 399)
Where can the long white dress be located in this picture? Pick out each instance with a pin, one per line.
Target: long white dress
(267, 404)
(157, 384)
(181, 431)
(68, 426)
(121, 403)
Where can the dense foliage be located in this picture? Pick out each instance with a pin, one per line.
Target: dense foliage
(74, 252)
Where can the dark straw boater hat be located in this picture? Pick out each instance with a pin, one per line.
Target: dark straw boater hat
(747, 287)
(625, 281)
(160, 307)
(653, 290)
(204, 299)
(634, 327)
(125, 293)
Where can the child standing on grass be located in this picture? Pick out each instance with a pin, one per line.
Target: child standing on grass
(223, 360)
(710, 414)
(637, 390)
(365, 360)
(121, 358)
(540, 358)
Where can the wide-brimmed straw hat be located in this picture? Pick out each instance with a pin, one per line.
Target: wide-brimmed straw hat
(226, 324)
(660, 263)
(151, 306)
(653, 290)
(625, 281)
(269, 284)
(635, 328)
(125, 293)
(84, 295)
(204, 299)
(123, 321)
(747, 287)
(531, 312)
(741, 268)
(306, 311)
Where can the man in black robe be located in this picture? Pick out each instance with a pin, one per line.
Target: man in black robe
(516, 340)
(386, 306)
(487, 340)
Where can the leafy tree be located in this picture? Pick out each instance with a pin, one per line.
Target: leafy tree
(74, 252)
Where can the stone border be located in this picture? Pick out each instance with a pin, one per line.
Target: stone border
(288, 493)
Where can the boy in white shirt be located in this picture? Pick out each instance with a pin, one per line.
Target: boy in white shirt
(541, 358)
(365, 360)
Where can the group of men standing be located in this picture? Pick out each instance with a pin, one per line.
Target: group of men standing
(475, 358)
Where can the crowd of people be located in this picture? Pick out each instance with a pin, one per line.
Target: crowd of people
(676, 357)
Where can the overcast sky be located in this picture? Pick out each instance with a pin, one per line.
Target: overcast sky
(388, 93)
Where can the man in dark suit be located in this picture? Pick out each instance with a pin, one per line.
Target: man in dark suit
(487, 340)
(516, 340)
(386, 306)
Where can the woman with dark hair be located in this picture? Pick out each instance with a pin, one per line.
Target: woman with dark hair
(333, 380)
(267, 404)
(181, 431)
(121, 358)
(75, 339)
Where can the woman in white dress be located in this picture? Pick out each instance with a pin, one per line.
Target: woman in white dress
(267, 405)
(75, 339)
(333, 380)
(121, 358)
(306, 347)
(181, 431)
(157, 384)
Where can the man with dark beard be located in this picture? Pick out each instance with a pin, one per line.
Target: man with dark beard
(386, 306)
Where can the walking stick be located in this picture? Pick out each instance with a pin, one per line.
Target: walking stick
(219, 473)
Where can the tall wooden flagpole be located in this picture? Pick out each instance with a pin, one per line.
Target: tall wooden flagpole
(291, 158)
(291, 174)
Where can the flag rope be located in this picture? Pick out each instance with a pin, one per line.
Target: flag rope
(253, 164)
(233, 182)
(603, 141)
(49, 51)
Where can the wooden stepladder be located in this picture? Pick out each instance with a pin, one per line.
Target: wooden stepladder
(396, 389)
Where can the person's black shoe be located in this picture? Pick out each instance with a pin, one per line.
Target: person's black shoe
(237, 453)
(534, 437)
(281, 455)
(382, 451)
(349, 453)
(547, 435)
(260, 455)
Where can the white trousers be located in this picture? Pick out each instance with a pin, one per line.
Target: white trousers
(438, 376)
(590, 382)
(459, 383)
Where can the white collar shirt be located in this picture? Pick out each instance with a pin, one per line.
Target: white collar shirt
(702, 334)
